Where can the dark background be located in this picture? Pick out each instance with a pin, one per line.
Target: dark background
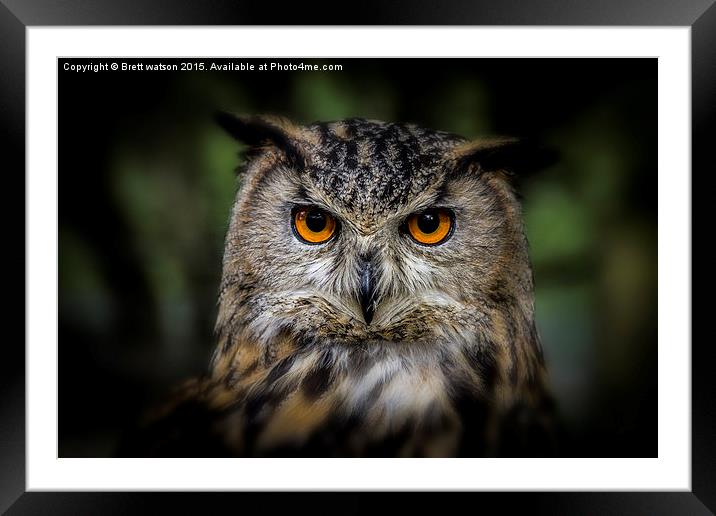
(146, 184)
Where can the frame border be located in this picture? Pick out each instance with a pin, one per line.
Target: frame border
(16, 15)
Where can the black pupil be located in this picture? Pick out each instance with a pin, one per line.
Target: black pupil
(316, 221)
(428, 222)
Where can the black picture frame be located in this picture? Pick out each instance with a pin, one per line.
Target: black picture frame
(17, 15)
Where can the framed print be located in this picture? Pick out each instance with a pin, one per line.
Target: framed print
(357, 258)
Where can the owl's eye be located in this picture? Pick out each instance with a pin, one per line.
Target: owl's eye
(431, 227)
(313, 225)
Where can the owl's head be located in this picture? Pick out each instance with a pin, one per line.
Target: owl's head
(361, 232)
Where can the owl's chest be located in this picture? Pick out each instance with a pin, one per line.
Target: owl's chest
(383, 412)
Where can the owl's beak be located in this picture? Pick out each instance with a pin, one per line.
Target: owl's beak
(368, 292)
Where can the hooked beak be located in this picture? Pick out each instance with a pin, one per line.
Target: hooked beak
(367, 295)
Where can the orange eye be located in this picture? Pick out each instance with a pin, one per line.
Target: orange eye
(430, 227)
(313, 225)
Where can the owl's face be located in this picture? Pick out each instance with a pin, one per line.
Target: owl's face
(365, 232)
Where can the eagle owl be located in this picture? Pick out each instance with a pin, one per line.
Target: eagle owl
(376, 299)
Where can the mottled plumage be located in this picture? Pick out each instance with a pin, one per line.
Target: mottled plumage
(449, 363)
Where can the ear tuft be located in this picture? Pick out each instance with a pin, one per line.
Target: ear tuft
(264, 130)
(518, 156)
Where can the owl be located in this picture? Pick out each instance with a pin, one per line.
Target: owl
(376, 300)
